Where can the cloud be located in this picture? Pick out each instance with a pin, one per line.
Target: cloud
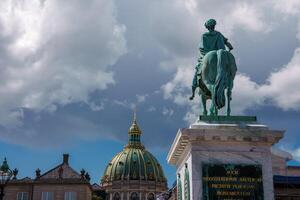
(57, 57)
(253, 17)
(151, 109)
(177, 25)
(281, 90)
(246, 93)
(249, 17)
(176, 89)
(283, 86)
(291, 7)
(295, 152)
(55, 53)
(167, 112)
(141, 98)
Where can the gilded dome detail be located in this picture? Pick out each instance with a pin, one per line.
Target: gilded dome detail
(134, 162)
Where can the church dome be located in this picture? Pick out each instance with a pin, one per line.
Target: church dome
(134, 166)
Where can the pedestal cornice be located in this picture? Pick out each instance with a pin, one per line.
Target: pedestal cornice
(222, 133)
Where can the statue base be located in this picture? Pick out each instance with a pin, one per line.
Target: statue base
(225, 158)
(229, 119)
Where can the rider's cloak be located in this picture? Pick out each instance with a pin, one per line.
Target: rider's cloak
(212, 40)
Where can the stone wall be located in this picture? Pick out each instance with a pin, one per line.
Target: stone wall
(83, 192)
(293, 170)
(12, 191)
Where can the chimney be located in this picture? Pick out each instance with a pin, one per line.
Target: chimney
(37, 173)
(66, 159)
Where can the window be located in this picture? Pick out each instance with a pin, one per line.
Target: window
(22, 196)
(151, 196)
(70, 196)
(134, 196)
(116, 196)
(47, 196)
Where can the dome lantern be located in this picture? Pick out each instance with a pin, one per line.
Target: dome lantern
(134, 134)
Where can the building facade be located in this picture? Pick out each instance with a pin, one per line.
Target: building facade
(60, 183)
(134, 173)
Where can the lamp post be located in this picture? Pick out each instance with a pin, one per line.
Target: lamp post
(5, 175)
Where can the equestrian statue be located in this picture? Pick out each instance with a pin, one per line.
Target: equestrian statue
(215, 71)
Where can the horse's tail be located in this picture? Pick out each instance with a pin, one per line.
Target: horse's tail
(221, 79)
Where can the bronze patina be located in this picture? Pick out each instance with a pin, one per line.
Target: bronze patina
(215, 71)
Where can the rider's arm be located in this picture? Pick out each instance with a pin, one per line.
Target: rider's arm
(202, 51)
(228, 45)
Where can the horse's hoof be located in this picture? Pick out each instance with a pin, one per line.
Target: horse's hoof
(191, 98)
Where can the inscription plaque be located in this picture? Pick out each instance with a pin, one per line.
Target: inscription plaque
(232, 182)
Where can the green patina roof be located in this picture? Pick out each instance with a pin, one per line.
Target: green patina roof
(134, 162)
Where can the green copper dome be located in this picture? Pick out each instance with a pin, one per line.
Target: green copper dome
(134, 162)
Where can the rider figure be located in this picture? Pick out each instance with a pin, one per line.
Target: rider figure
(210, 41)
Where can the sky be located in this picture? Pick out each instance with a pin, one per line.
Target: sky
(72, 71)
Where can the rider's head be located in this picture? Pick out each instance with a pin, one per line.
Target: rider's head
(210, 24)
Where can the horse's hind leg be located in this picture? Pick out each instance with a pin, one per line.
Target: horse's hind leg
(203, 98)
(213, 111)
(228, 101)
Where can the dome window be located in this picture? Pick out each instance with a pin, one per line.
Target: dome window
(117, 196)
(150, 176)
(151, 196)
(134, 196)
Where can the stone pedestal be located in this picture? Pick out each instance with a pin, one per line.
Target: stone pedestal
(234, 142)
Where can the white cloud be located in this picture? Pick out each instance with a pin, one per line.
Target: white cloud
(141, 98)
(177, 25)
(56, 53)
(167, 111)
(177, 87)
(290, 7)
(295, 152)
(247, 16)
(96, 107)
(151, 109)
(283, 86)
(246, 94)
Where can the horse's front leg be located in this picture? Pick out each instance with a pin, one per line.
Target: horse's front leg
(203, 98)
(193, 93)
